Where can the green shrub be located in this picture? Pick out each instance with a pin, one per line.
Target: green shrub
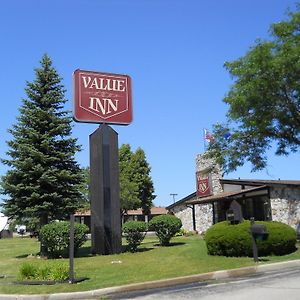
(56, 237)
(59, 272)
(134, 232)
(165, 227)
(281, 240)
(56, 271)
(43, 272)
(28, 271)
(235, 240)
(229, 240)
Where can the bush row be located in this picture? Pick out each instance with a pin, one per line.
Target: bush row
(56, 236)
(165, 227)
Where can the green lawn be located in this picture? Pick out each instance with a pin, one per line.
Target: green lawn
(186, 256)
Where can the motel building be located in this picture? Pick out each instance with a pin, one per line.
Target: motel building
(84, 217)
(216, 198)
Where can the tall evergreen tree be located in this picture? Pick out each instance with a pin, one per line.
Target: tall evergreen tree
(43, 180)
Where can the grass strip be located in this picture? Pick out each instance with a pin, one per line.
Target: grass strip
(185, 256)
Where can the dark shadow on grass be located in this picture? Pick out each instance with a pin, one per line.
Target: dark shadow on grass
(171, 244)
(84, 252)
(144, 249)
(81, 252)
(125, 249)
(48, 282)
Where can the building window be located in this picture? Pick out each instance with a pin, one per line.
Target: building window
(258, 208)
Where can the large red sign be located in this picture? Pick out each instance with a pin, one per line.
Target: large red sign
(102, 98)
(204, 184)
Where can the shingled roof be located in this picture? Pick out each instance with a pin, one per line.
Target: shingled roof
(227, 195)
(154, 211)
(256, 185)
(257, 182)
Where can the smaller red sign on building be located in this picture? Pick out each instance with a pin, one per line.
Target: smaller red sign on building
(102, 98)
(204, 185)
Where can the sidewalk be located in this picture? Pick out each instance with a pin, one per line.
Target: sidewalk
(95, 294)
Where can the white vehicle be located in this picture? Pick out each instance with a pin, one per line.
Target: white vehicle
(21, 229)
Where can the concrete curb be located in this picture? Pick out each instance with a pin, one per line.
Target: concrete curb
(159, 283)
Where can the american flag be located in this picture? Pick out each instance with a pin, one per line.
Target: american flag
(208, 137)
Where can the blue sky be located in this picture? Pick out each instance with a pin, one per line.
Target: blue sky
(174, 52)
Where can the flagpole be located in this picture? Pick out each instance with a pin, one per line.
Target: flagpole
(204, 141)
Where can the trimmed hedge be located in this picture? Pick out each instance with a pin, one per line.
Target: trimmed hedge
(235, 240)
(165, 227)
(134, 232)
(56, 237)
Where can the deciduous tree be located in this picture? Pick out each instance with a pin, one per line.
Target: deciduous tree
(136, 183)
(143, 180)
(264, 101)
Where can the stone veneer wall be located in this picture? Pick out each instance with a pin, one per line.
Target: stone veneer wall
(285, 203)
(208, 165)
(185, 215)
(203, 213)
(204, 217)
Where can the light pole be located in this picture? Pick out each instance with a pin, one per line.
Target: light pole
(173, 197)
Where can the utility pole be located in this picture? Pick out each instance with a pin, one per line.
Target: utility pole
(173, 197)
